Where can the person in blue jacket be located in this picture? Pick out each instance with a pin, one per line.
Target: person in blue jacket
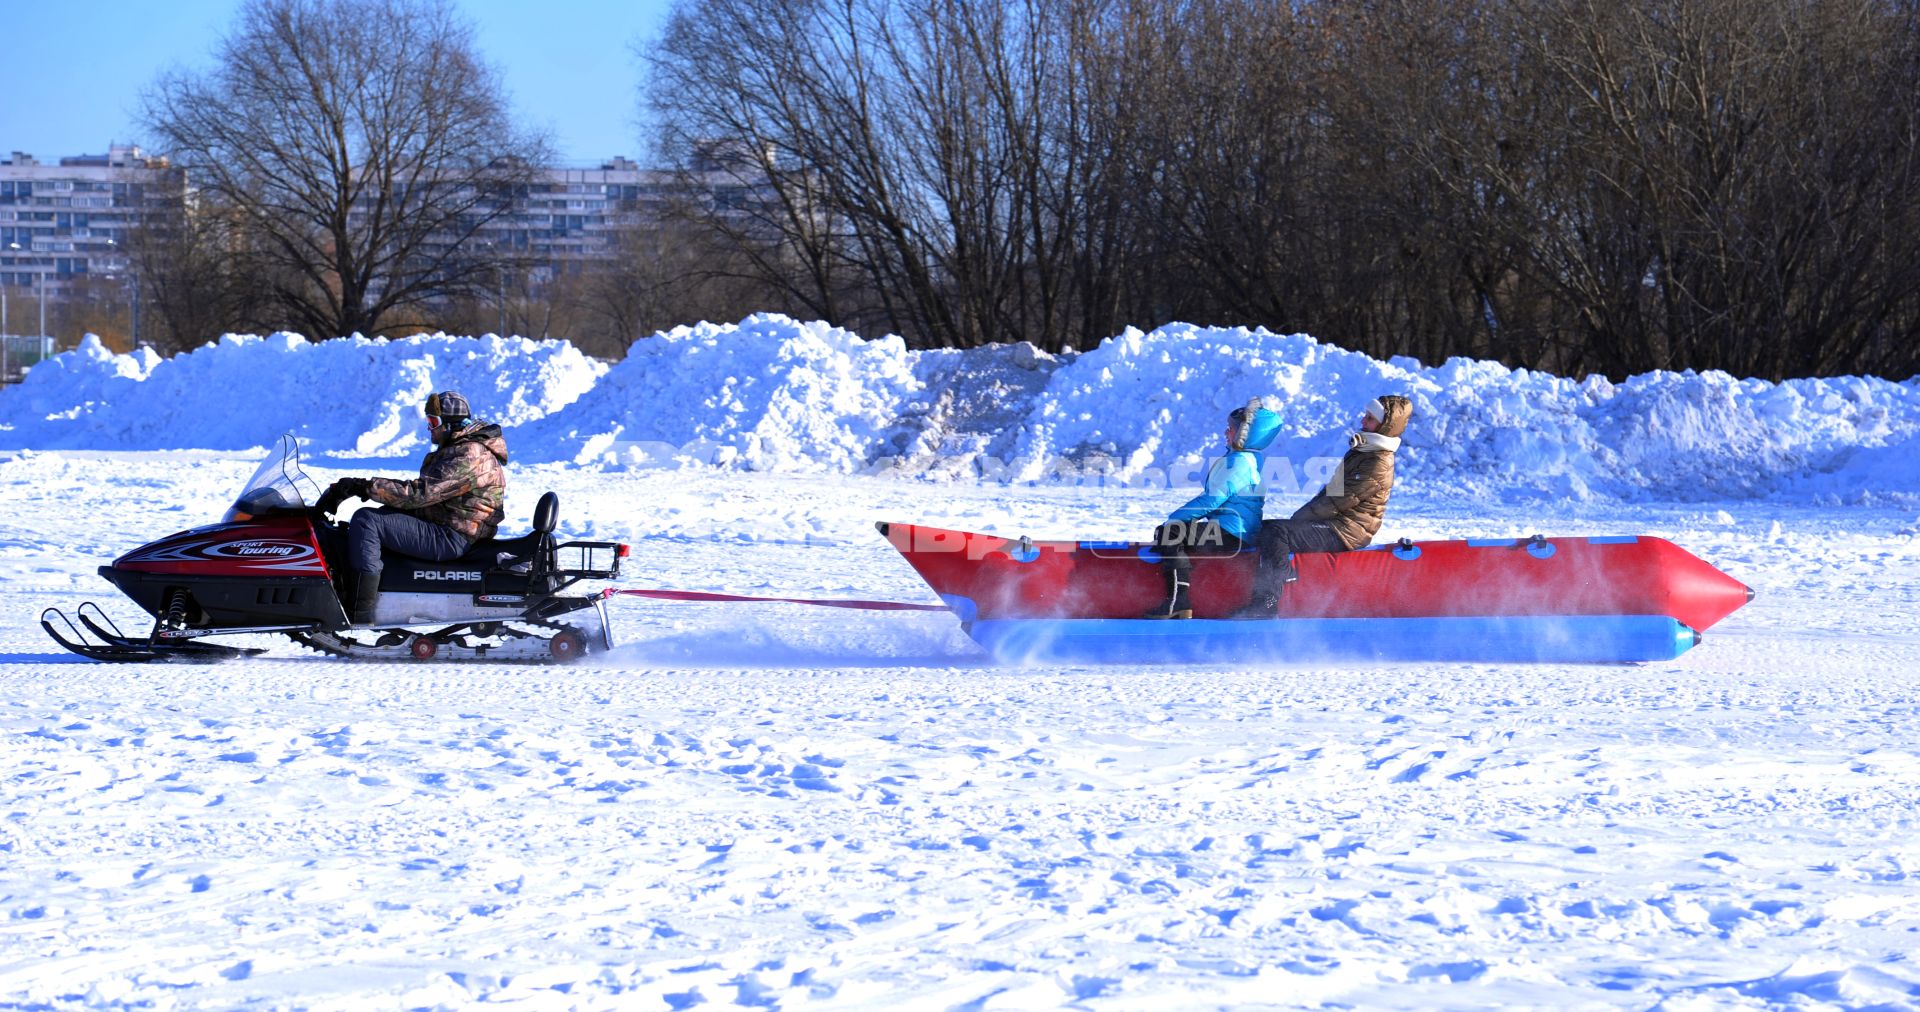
(1224, 515)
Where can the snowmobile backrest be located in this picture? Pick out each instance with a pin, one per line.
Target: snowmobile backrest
(546, 513)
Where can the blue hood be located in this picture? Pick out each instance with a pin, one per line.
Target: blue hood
(1263, 431)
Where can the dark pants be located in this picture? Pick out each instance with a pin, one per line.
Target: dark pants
(1279, 539)
(372, 529)
(1178, 541)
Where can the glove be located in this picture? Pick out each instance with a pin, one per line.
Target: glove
(340, 491)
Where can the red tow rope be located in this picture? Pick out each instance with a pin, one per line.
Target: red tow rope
(697, 595)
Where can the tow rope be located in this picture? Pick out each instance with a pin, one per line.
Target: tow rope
(699, 595)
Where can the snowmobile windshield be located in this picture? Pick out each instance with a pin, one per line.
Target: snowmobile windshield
(277, 485)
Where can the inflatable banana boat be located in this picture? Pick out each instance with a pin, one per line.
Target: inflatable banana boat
(1540, 599)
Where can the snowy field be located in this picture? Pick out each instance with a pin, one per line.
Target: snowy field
(777, 806)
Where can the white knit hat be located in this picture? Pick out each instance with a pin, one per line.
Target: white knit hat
(1376, 410)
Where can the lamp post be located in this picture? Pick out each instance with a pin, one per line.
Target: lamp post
(133, 297)
(5, 349)
(500, 282)
(39, 292)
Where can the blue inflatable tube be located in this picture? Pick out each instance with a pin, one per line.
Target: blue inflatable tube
(1528, 639)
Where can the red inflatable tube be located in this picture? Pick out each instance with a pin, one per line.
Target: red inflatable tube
(1000, 578)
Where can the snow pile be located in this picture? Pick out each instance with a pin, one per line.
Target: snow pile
(767, 394)
(775, 394)
(1147, 408)
(1141, 402)
(356, 395)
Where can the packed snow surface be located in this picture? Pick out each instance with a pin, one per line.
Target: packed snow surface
(781, 806)
(787, 807)
(775, 394)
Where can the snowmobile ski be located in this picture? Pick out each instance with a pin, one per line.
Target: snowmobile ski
(116, 647)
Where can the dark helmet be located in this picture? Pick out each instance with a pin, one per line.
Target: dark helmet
(449, 407)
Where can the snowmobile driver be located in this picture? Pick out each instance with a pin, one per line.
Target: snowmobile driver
(438, 516)
(1224, 515)
(1344, 516)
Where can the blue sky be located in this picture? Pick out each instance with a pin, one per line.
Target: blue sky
(74, 71)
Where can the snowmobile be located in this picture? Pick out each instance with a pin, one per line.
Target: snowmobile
(276, 565)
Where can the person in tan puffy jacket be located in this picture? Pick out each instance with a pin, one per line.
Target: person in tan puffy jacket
(1345, 515)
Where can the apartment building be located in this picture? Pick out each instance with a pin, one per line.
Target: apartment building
(64, 223)
(572, 216)
(64, 227)
(569, 217)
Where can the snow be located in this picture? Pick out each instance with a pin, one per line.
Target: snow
(787, 806)
(768, 394)
(1141, 409)
(783, 806)
(356, 395)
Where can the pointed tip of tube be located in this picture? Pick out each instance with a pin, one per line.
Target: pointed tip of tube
(1750, 595)
(883, 527)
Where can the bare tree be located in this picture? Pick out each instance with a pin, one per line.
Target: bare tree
(360, 142)
(927, 162)
(189, 266)
(738, 85)
(665, 271)
(1676, 183)
(1574, 185)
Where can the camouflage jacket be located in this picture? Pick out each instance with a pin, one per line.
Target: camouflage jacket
(462, 483)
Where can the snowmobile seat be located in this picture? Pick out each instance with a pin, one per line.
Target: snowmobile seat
(522, 555)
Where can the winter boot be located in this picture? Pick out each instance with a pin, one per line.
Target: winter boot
(366, 594)
(1264, 602)
(1275, 570)
(1178, 604)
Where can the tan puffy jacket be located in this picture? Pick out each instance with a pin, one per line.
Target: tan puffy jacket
(1355, 499)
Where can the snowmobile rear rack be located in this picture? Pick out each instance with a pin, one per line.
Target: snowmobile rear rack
(588, 560)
